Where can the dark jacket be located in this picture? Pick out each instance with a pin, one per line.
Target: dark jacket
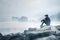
(46, 21)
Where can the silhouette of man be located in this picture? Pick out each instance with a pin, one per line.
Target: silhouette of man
(46, 20)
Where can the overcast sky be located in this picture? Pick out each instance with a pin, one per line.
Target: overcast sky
(29, 8)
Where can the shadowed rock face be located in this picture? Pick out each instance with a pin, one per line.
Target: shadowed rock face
(58, 27)
(39, 35)
(51, 37)
(12, 37)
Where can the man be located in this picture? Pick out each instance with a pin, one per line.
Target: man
(46, 20)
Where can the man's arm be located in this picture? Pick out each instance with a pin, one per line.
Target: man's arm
(43, 20)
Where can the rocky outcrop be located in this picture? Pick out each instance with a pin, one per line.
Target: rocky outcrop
(32, 34)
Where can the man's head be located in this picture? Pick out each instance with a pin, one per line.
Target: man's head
(46, 15)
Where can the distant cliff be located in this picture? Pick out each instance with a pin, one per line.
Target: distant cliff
(21, 19)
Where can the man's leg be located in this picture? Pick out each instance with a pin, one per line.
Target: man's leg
(42, 24)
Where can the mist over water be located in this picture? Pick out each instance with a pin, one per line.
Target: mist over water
(15, 27)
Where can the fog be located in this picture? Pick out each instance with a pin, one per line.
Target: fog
(14, 27)
(29, 8)
(33, 9)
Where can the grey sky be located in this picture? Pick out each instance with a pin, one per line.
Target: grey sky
(30, 8)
